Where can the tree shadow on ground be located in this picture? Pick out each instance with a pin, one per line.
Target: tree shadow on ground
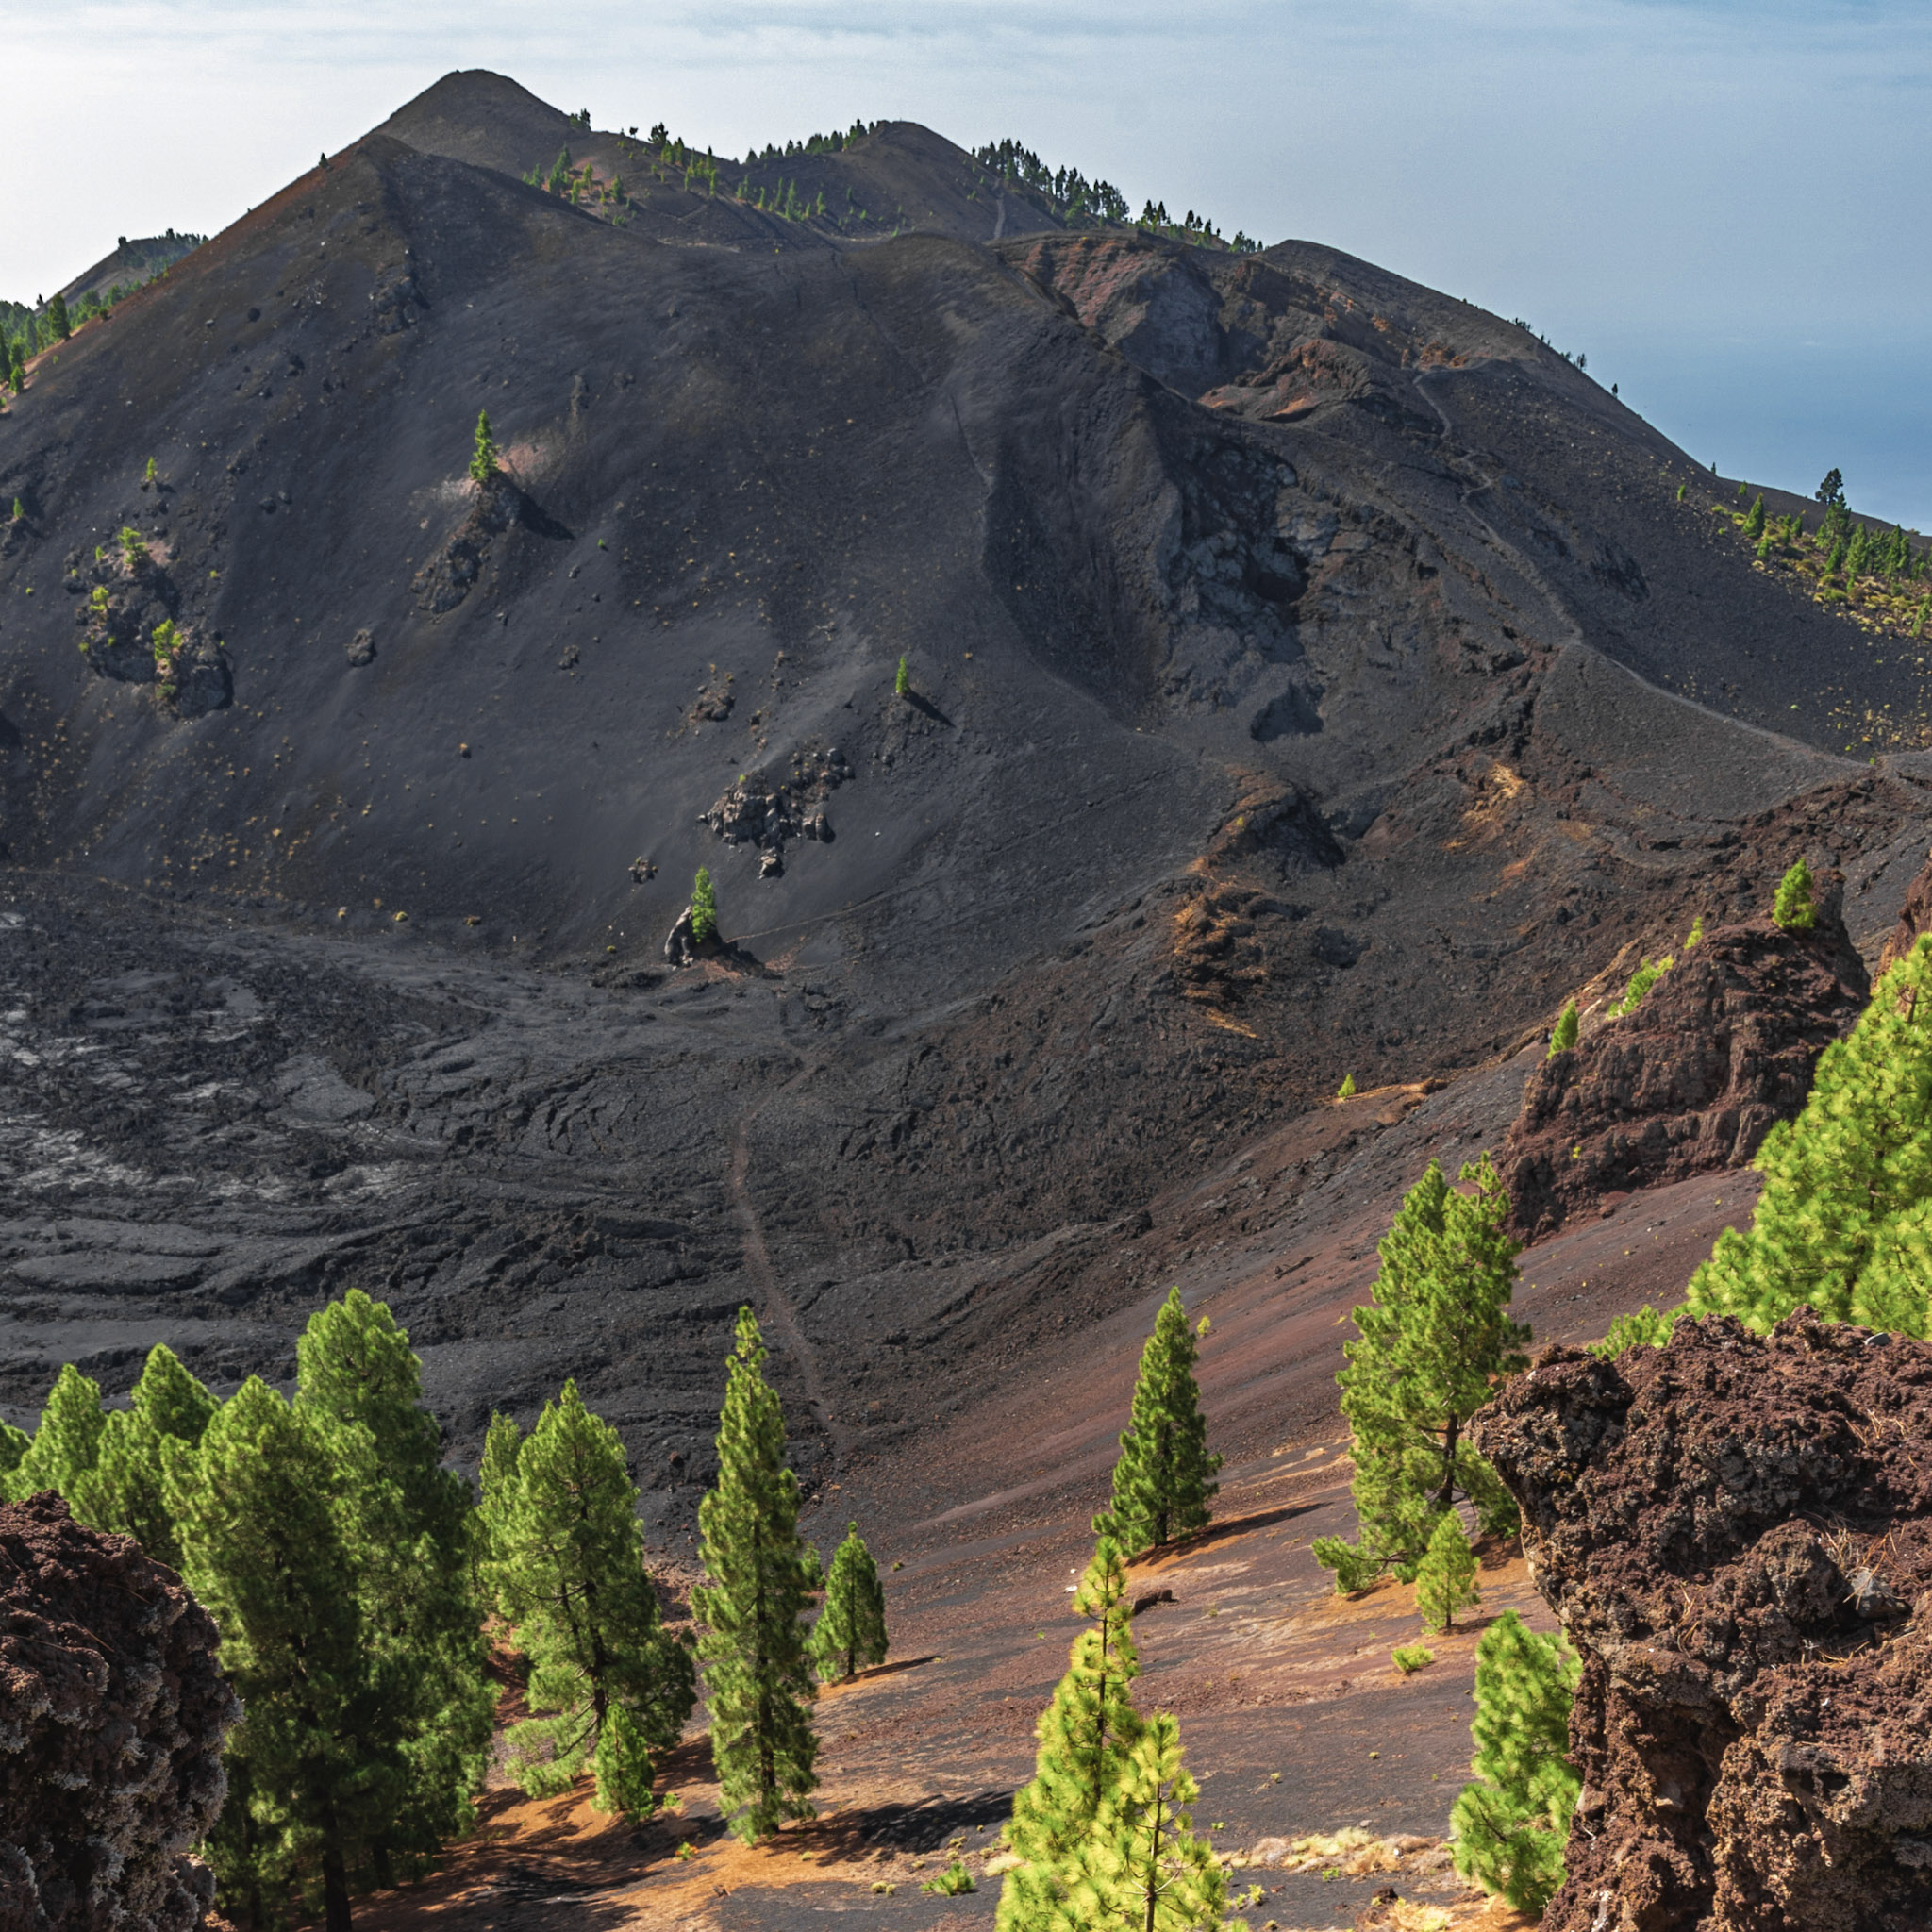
(921, 1825)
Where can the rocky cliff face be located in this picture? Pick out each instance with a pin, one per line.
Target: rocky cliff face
(1737, 1533)
(1914, 917)
(1722, 1048)
(112, 1715)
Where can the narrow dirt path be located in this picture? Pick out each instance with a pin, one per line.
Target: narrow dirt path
(775, 1304)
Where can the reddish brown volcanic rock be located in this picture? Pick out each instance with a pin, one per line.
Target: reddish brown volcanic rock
(1737, 1533)
(1721, 1049)
(1914, 917)
(112, 1714)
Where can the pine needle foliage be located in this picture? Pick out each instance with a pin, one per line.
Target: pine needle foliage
(1644, 1327)
(571, 1577)
(1142, 1869)
(1164, 1478)
(1564, 1036)
(1793, 907)
(67, 1443)
(1511, 1826)
(1432, 1344)
(485, 462)
(496, 1481)
(902, 679)
(703, 907)
(1085, 1734)
(1445, 1581)
(123, 1490)
(1844, 1223)
(266, 1549)
(1347, 1089)
(409, 1526)
(757, 1676)
(850, 1633)
(1647, 976)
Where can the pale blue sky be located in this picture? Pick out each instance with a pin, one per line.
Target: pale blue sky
(1723, 203)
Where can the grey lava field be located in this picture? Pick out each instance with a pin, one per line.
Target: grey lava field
(1310, 675)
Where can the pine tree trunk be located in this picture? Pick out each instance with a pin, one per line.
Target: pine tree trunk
(335, 1881)
(1446, 1495)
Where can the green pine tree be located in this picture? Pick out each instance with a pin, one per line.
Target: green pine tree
(13, 1445)
(1085, 1734)
(1754, 521)
(1844, 1221)
(757, 1679)
(703, 907)
(902, 679)
(67, 1443)
(1793, 907)
(851, 1630)
(483, 465)
(1512, 1825)
(409, 1526)
(1347, 1089)
(496, 1484)
(1164, 1479)
(1647, 974)
(264, 1549)
(1564, 1037)
(1437, 1337)
(59, 320)
(571, 1578)
(1140, 1867)
(123, 1490)
(1445, 1580)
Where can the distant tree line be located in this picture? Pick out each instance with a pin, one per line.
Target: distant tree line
(1074, 198)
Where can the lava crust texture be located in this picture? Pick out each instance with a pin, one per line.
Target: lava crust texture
(112, 1715)
(1722, 1048)
(1737, 1533)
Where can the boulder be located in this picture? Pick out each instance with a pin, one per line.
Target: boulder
(1736, 1531)
(1721, 1049)
(112, 1715)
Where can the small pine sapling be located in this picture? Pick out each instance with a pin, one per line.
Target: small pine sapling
(1647, 976)
(58, 317)
(485, 466)
(902, 679)
(1754, 521)
(1564, 1037)
(1445, 1583)
(851, 1630)
(1411, 1657)
(1347, 1089)
(133, 551)
(1644, 1327)
(1512, 1824)
(67, 1443)
(1696, 935)
(166, 642)
(1792, 909)
(1163, 1480)
(704, 908)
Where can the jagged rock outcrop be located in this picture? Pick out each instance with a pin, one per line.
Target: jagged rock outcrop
(1737, 1533)
(1914, 917)
(1721, 1049)
(112, 1714)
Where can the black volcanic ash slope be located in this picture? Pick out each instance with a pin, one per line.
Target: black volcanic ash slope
(1278, 633)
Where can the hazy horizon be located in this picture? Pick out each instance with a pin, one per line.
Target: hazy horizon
(1710, 199)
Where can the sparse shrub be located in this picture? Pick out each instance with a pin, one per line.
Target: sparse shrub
(954, 1882)
(902, 679)
(1643, 1328)
(1792, 909)
(1445, 1583)
(1647, 976)
(19, 511)
(704, 908)
(1347, 1089)
(1683, 490)
(1411, 1657)
(1696, 935)
(132, 548)
(1511, 1826)
(166, 642)
(1564, 1037)
(150, 477)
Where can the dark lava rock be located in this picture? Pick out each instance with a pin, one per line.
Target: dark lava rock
(1914, 917)
(1720, 1050)
(1737, 1533)
(112, 1715)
